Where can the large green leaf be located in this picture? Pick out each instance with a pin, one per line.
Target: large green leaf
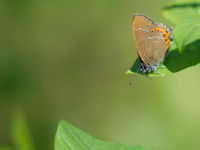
(186, 33)
(180, 10)
(69, 137)
(20, 132)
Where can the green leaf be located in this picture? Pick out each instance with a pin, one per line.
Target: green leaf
(20, 132)
(186, 33)
(181, 10)
(69, 137)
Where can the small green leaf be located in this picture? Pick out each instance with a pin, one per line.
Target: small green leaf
(69, 137)
(186, 33)
(20, 132)
(180, 10)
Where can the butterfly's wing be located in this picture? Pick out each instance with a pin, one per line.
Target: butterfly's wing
(158, 43)
(150, 43)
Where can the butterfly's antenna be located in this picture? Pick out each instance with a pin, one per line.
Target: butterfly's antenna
(133, 77)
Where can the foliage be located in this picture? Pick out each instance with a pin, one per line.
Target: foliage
(20, 133)
(69, 137)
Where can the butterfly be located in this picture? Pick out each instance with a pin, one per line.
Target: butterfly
(152, 41)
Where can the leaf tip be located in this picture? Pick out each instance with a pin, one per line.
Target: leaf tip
(129, 72)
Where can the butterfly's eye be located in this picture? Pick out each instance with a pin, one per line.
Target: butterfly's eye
(171, 29)
(170, 37)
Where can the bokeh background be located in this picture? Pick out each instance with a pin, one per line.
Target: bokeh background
(67, 60)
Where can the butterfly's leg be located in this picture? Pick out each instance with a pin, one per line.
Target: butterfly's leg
(149, 69)
(155, 69)
(147, 76)
(163, 66)
(159, 73)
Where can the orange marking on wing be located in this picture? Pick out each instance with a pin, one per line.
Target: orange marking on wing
(165, 33)
(167, 43)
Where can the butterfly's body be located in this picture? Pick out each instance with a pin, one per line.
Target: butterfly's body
(152, 41)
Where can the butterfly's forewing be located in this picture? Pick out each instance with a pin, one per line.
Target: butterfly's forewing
(151, 45)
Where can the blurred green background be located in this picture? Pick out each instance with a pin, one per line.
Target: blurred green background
(67, 59)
